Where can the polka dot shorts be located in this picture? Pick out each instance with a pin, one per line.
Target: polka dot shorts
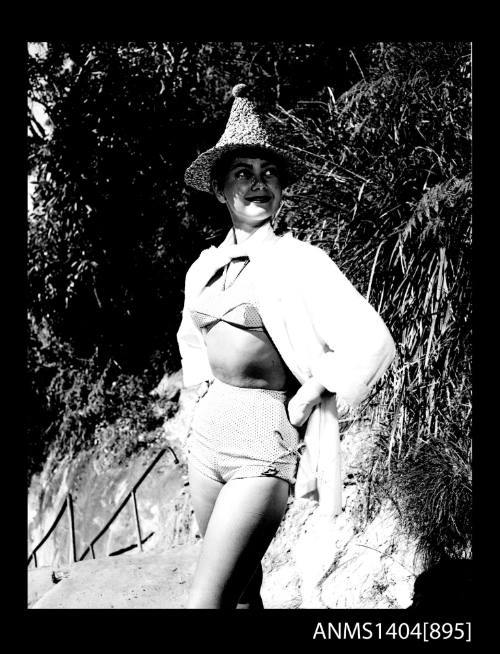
(243, 432)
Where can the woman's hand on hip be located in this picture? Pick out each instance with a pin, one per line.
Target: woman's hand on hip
(304, 401)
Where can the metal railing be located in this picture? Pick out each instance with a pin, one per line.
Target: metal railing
(68, 503)
(131, 494)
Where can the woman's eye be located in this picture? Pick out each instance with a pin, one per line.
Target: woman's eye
(247, 174)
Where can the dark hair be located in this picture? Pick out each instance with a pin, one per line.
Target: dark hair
(221, 166)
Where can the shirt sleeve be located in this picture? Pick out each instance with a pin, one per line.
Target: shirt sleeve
(358, 346)
(194, 359)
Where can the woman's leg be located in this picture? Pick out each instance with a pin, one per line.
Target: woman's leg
(250, 597)
(204, 492)
(244, 519)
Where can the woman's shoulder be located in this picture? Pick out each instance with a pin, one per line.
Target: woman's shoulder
(200, 259)
(291, 246)
(196, 269)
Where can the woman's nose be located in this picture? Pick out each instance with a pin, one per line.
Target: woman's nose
(258, 181)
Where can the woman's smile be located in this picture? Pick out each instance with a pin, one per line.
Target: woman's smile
(259, 199)
(251, 190)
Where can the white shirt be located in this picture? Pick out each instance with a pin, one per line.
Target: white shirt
(322, 327)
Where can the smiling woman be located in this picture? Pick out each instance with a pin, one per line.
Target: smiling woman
(251, 189)
(272, 332)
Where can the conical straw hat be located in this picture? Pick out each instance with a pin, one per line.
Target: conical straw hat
(245, 128)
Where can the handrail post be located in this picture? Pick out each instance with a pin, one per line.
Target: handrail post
(71, 518)
(35, 559)
(137, 524)
(92, 550)
(54, 524)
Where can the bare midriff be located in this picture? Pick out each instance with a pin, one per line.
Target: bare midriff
(241, 356)
(245, 358)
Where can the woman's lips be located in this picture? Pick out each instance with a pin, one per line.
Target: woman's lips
(259, 198)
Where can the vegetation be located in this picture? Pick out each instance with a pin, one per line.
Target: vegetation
(391, 157)
(385, 128)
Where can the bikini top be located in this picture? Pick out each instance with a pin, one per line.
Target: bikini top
(234, 305)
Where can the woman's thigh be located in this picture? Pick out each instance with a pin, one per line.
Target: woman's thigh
(204, 493)
(244, 519)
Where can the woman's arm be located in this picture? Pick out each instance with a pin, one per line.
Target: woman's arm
(304, 401)
(195, 365)
(358, 345)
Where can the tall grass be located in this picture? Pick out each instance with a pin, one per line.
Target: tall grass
(389, 197)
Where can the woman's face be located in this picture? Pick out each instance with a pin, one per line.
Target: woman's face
(251, 190)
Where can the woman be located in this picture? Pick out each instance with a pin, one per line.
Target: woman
(274, 333)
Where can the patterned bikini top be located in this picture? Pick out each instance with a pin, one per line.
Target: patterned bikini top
(234, 305)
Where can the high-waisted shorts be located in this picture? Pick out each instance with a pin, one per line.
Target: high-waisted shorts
(243, 432)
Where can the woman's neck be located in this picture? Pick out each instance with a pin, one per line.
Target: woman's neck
(243, 232)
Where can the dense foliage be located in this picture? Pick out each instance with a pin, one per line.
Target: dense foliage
(389, 197)
(385, 128)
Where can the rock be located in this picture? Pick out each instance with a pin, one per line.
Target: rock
(316, 561)
(40, 582)
(138, 581)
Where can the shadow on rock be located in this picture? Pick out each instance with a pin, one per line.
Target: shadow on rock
(444, 587)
